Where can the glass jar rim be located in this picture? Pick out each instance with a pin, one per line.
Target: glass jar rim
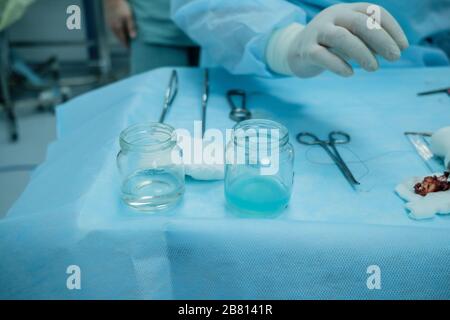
(283, 136)
(133, 137)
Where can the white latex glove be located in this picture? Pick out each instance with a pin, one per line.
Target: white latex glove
(440, 145)
(336, 35)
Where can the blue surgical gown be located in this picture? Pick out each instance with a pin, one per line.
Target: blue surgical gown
(234, 33)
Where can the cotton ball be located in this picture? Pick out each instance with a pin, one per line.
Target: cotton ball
(202, 171)
(440, 142)
(205, 171)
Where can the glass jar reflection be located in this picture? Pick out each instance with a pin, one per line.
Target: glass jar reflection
(150, 165)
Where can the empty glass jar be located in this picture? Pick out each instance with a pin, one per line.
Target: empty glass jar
(150, 165)
(259, 170)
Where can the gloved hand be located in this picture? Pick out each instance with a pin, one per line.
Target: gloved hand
(339, 33)
(440, 145)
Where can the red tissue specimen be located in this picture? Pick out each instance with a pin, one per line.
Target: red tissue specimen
(433, 184)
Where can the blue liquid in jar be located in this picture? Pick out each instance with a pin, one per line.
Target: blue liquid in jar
(262, 195)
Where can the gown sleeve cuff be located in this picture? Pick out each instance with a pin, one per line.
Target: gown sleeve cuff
(276, 54)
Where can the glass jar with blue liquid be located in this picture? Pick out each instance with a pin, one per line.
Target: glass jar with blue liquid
(259, 171)
(150, 163)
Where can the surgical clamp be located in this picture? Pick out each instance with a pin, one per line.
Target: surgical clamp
(334, 138)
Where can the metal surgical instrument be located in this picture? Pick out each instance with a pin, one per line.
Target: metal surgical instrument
(427, 93)
(238, 113)
(334, 138)
(205, 97)
(171, 93)
(420, 143)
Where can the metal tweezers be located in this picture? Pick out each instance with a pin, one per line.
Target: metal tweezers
(427, 93)
(417, 139)
(171, 93)
(205, 97)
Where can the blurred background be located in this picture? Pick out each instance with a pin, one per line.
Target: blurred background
(43, 63)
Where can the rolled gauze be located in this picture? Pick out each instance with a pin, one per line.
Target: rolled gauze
(205, 171)
(440, 144)
(202, 160)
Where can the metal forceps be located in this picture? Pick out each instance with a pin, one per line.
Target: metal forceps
(205, 98)
(171, 93)
(427, 93)
(334, 138)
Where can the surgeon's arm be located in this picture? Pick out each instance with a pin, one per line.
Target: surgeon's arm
(235, 33)
(335, 36)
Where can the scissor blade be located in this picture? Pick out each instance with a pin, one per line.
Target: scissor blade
(341, 164)
(426, 93)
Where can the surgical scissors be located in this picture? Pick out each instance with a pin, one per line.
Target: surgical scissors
(171, 93)
(334, 138)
